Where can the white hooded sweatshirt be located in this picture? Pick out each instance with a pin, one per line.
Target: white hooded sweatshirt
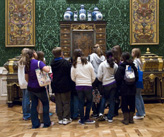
(106, 73)
(21, 76)
(96, 61)
(83, 75)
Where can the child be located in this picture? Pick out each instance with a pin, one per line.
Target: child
(82, 73)
(116, 50)
(40, 57)
(127, 90)
(37, 92)
(61, 86)
(136, 54)
(106, 73)
(74, 98)
(23, 85)
(96, 59)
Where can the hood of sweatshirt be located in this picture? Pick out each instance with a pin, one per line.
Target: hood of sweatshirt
(98, 59)
(57, 63)
(107, 64)
(79, 60)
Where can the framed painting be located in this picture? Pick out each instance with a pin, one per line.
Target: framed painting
(144, 22)
(20, 23)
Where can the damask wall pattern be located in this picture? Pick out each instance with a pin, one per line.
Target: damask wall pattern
(49, 12)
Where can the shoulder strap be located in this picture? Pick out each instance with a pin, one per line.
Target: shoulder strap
(38, 64)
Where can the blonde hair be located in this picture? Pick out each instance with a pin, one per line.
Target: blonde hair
(137, 53)
(22, 60)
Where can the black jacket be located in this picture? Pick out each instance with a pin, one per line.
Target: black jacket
(119, 76)
(61, 76)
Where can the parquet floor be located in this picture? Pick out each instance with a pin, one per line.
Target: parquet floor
(12, 125)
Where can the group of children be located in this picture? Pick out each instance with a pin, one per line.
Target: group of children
(74, 81)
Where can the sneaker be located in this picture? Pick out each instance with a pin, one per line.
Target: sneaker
(138, 117)
(60, 122)
(66, 121)
(94, 115)
(106, 118)
(52, 123)
(89, 121)
(101, 117)
(110, 121)
(41, 125)
(80, 122)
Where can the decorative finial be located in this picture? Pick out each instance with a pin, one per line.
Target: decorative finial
(148, 51)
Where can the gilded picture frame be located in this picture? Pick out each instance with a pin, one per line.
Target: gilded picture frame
(144, 22)
(20, 23)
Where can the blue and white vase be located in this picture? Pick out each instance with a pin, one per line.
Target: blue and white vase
(68, 15)
(97, 15)
(89, 16)
(82, 13)
(75, 15)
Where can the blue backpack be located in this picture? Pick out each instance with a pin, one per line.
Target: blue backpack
(139, 83)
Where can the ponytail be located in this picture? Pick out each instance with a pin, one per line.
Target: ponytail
(29, 56)
(110, 59)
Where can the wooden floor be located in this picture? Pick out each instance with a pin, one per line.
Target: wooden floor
(12, 125)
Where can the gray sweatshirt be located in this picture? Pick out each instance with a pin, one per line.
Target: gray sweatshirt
(96, 61)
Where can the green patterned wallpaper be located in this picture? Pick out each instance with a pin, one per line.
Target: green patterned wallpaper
(50, 12)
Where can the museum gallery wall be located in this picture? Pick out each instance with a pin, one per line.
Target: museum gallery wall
(48, 13)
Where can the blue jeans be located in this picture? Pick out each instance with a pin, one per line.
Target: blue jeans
(26, 104)
(139, 103)
(109, 94)
(74, 106)
(42, 96)
(82, 94)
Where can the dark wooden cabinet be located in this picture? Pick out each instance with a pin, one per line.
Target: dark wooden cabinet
(83, 35)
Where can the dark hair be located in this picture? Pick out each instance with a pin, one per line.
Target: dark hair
(126, 57)
(29, 55)
(57, 52)
(40, 56)
(78, 53)
(116, 50)
(109, 58)
(97, 49)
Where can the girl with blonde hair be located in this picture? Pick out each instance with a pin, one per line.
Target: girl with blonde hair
(23, 85)
(136, 54)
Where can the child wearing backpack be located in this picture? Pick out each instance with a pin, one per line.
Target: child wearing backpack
(136, 54)
(126, 77)
(106, 72)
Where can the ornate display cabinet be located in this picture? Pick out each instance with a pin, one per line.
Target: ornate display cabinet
(153, 76)
(82, 34)
(13, 90)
